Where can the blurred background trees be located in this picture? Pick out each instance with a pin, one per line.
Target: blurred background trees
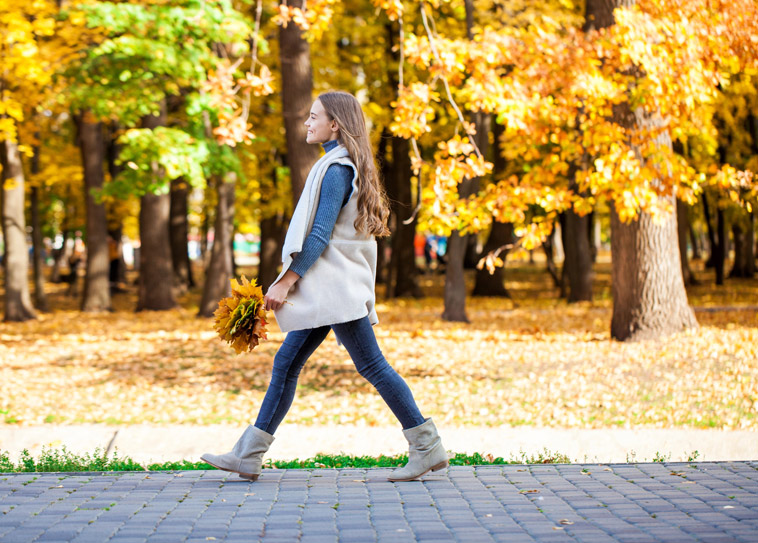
(154, 135)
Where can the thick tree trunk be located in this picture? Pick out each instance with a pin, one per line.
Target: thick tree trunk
(402, 269)
(97, 294)
(649, 299)
(273, 230)
(156, 276)
(577, 264)
(744, 243)
(178, 232)
(493, 284)
(297, 86)
(682, 225)
(219, 271)
(18, 303)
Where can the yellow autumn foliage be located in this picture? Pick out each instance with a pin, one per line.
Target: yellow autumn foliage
(240, 319)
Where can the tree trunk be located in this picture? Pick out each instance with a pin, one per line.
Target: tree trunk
(711, 262)
(273, 230)
(455, 286)
(383, 276)
(548, 246)
(501, 234)
(593, 239)
(649, 299)
(297, 86)
(40, 299)
(97, 294)
(682, 224)
(219, 272)
(205, 228)
(18, 303)
(156, 276)
(577, 263)
(403, 271)
(493, 284)
(719, 253)
(178, 232)
(744, 242)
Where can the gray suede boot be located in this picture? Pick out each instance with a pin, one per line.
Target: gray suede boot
(426, 453)
(246, 457)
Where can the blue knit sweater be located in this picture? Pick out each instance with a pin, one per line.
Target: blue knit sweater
(335, 193)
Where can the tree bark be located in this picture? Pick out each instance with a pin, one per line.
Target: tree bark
(156, 274)
(649, 299)
(744, 243)
(40, 299)
(219, 272)
(548, 246)
(578, 258)
(712, 242)
(18, 303)
(297, 87)
(97, 295)
(178, 232)
(682, 225)
(501, 234)
(402, 269)
(719, 253)
(493, 284)
(455, 286)
(273, 230)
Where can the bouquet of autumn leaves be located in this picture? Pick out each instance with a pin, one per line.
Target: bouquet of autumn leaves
(241, 317)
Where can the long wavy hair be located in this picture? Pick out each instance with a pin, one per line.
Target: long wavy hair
(373, 210)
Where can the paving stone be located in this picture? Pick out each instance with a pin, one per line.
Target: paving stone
(629, 503)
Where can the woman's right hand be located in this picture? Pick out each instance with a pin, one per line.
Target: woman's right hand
(277, 294)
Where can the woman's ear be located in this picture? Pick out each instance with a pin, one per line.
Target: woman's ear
(334, 127)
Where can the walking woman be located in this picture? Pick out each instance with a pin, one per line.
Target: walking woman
(327, 282)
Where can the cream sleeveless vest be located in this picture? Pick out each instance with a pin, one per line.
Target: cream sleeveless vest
(339, 286)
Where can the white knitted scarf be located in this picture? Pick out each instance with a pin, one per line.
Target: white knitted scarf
(305, 210)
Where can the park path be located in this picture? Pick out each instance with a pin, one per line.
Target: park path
(593, 503)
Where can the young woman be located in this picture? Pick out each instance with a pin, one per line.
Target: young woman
(327, 282)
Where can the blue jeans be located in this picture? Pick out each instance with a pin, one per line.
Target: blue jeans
(360, 342)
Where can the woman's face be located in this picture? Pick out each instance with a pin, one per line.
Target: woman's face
(320, 127)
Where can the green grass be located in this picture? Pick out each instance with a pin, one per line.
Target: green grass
(63, 460)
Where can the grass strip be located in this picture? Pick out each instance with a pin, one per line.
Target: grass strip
(63, 460)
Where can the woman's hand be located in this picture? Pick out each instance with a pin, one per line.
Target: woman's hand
(277, 294)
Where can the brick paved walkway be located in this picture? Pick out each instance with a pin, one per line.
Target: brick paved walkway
(670, 502)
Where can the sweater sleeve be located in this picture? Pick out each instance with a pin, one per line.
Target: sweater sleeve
(335, 192)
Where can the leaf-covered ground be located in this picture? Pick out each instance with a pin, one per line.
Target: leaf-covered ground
(534, 360)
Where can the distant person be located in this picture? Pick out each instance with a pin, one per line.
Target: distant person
(327, 283)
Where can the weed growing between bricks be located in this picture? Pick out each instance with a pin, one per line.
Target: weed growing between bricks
(63, 460)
